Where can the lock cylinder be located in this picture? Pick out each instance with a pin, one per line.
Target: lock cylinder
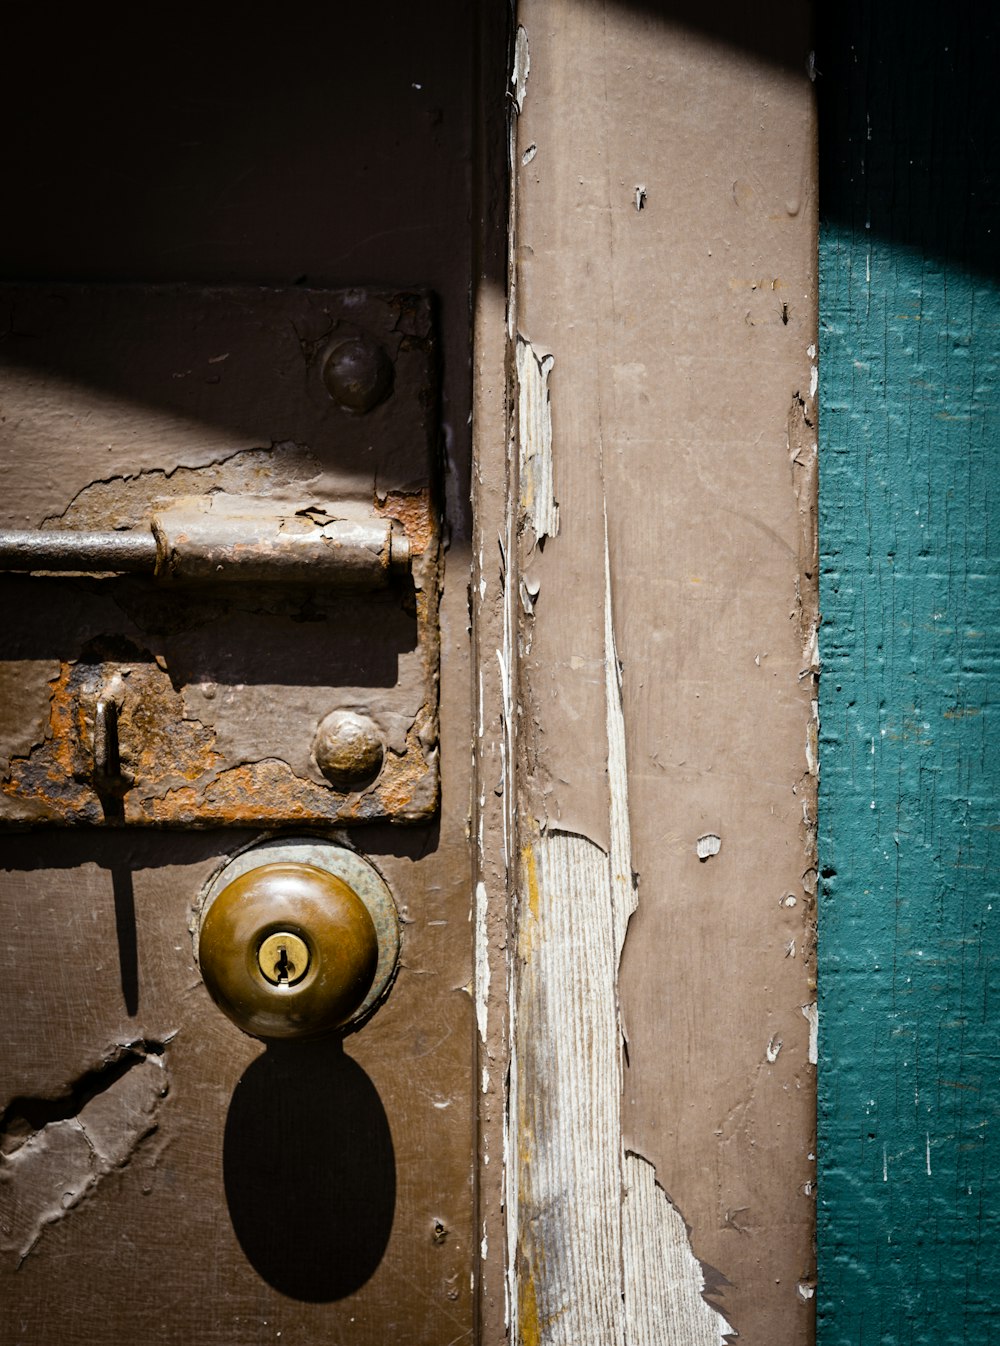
(288, 948)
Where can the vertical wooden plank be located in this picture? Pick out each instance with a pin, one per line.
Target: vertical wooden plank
(910, 1221)
(489, 609)
(662, 1085)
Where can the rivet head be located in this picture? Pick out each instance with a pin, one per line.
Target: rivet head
(358, 374)
(288, 950)
(348, 749)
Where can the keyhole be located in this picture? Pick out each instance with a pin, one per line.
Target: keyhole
(283, 969)
(283, 958)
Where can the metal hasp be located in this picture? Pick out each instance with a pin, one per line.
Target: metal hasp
(219, 557)
(222, 538)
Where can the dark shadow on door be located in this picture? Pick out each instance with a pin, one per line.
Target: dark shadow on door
(309, 1170)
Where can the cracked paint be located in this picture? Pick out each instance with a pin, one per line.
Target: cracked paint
(48, 1169)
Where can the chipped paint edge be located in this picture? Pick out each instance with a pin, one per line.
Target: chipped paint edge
(597, 1250)
(482, 967)
(534, 415)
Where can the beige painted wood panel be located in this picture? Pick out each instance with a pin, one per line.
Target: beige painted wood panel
(661, 665)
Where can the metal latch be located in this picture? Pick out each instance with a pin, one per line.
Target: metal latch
(219, 556)
(221, 538)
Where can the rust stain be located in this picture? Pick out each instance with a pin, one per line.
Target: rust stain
(173, 769)
(528, 1322)
(414, 511)
(175, 774)
(531, 878)
(528, 924)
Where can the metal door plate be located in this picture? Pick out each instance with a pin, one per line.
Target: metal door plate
(118, 401)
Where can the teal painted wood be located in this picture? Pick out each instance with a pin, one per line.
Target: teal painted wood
(909, 1108)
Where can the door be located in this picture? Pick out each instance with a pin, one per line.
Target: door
(165, 1175)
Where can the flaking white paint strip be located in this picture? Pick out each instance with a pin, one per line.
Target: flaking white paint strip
(811, 1015)
(505, 743)
(534, 417)
(511, 1176)
(603, 1255)
(482, 962)
(522, 64)
(624, 898)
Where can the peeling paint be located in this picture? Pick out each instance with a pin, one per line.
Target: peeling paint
(601, 1253)
(522, 64)
(811, 1014)
(664, 1281)
(708, 845)
(623, 884)
(482, 978)
(534, 413)
(55, 1152)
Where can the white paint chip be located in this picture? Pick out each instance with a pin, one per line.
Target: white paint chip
(522, 64)
(482, 960)
(708, 845)
(811, 1014)
(534, 422)
(773, 1048)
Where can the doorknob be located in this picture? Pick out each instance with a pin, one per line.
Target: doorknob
(297, 938)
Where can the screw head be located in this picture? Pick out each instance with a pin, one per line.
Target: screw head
(358, 374)
(348, 749)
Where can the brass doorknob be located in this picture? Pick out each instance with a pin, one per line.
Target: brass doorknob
(288, 949)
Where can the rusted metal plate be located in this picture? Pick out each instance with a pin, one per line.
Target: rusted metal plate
(118, 403)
